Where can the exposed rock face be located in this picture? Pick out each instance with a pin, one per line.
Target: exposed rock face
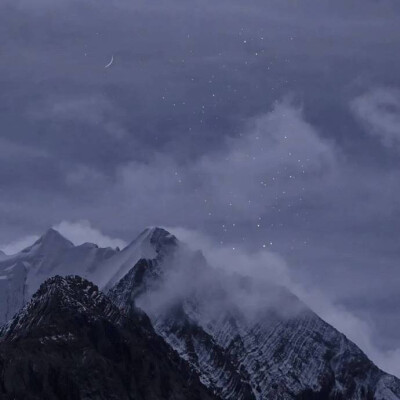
(284, 351)
(71, 342)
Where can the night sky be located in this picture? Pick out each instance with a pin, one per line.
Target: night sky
(264, 126)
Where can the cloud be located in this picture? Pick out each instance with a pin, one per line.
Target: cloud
(19, 244)
(378, 111)
(258, 264)
(82, 232)
(275, 157)
(95, 111)
(221, 280)
(10, 150)
(82, 175)
(272, 163)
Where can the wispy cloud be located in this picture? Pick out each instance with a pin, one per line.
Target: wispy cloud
(95, 111)
(378, 111)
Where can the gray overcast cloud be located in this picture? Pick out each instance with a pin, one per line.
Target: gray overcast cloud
(261, 124)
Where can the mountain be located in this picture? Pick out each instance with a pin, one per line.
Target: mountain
(52, 254)
(247, 340)
(70, 342)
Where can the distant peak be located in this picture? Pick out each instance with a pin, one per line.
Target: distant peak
(160, 237)
(51, 232)
(50, 239)
(158, 232)
(53, 235)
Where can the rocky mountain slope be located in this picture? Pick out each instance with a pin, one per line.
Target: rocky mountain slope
(245, 340)
(71, 342)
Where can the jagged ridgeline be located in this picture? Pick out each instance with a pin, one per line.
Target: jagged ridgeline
(165, 325)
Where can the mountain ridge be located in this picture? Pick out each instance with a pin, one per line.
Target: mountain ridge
(244, 340)
(52, 254)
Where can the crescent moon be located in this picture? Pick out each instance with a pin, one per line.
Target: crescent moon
(110, 63)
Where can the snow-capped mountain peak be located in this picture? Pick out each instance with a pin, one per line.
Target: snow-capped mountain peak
(152, 243)
(159, 237)
(50, 241)
(155, 238)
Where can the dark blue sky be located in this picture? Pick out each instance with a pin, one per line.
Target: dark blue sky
(253, 122)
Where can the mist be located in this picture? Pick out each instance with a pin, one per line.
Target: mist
(264, 292)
